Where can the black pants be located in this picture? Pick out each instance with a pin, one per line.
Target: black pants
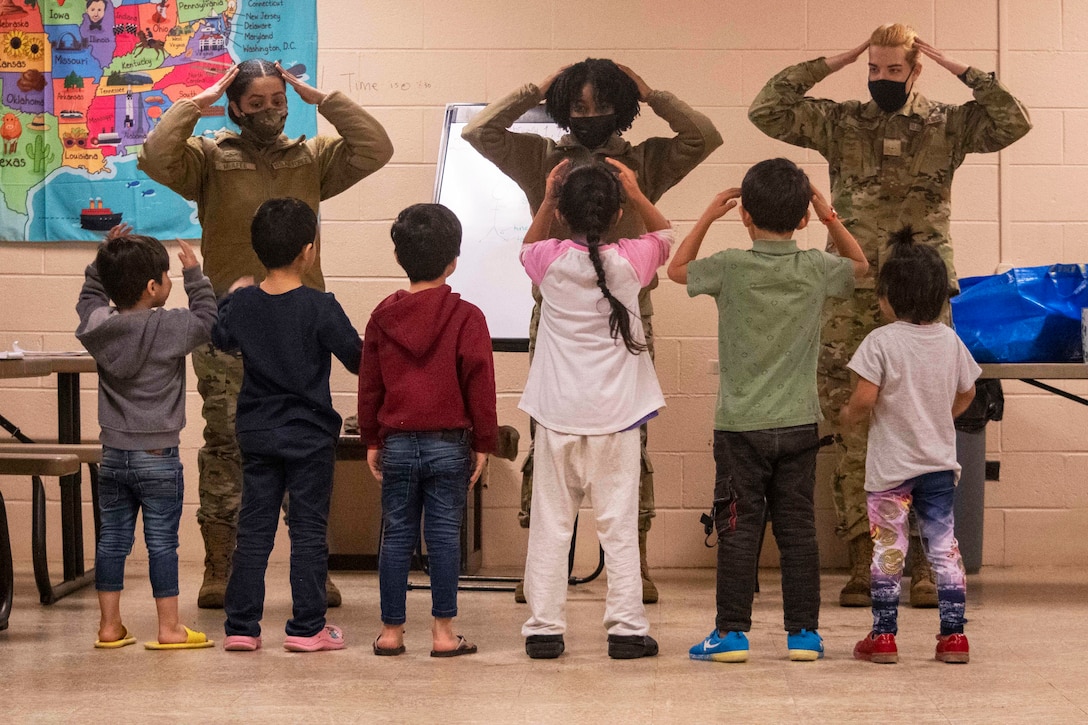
(759, 472)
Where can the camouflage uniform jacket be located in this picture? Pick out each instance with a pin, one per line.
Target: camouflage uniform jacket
(659, 162)
(229, 176)
(890, 169)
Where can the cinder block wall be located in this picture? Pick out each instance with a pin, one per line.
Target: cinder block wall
(404, 59)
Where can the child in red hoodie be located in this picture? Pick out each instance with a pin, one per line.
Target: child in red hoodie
(427, 416)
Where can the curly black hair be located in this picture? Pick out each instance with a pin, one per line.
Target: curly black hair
(610, 86)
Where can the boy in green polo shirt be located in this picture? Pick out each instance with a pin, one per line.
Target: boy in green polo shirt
(770, 299)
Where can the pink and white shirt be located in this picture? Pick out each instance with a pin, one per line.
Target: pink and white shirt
(582, 381)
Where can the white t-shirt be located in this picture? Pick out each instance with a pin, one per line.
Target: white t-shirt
(919, 370)
(581, 380)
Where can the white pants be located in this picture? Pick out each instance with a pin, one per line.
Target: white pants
(565, 469)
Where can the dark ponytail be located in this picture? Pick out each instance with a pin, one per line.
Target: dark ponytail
(589, 200)
(913, 278)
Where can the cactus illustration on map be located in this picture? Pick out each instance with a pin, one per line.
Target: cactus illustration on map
(40, 153)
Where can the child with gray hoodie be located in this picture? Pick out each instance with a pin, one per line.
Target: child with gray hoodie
(140, 349)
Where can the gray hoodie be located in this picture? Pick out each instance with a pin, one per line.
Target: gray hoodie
(141, 361)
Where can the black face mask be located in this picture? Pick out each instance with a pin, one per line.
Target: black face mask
(593, 131)
(889, 95)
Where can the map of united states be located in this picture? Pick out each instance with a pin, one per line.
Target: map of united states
(83, 82)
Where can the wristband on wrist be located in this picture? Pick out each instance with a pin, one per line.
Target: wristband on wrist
(832, 216)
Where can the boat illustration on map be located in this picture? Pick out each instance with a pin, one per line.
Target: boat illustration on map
(98, 218)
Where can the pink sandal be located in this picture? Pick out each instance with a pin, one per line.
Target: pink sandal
(241, 643)
(330, 638)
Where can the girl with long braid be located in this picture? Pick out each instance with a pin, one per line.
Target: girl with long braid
(591, 385)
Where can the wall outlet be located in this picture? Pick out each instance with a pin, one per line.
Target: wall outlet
(993, 470)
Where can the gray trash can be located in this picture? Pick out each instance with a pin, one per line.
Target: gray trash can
(970, 507)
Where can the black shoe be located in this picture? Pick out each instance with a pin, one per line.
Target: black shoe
(544, 646)
(631, 647)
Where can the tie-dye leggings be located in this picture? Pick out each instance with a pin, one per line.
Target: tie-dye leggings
(932, 496)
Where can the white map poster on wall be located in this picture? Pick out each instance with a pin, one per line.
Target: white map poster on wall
(82, 83)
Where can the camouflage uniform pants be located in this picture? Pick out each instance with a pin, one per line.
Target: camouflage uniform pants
(646, 508)
(219, 378)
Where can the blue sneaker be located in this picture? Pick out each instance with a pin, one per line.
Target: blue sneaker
(805, 646)
(733, 647)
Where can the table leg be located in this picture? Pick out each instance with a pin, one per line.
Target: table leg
(71, 505)
(6, 575)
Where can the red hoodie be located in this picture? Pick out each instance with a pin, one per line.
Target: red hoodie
(427, 366)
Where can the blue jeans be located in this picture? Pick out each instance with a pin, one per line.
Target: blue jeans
(761, 475)
(297, 460)
(129, 481)
(932, 496)
(422, 473)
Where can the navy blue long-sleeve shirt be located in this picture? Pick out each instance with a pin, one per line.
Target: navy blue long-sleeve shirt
(287, 343)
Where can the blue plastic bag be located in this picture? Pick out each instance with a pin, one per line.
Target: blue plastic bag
(1028, 314)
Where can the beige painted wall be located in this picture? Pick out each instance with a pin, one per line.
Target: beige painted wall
(404, 59)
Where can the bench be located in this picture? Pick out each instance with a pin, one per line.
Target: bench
(33, 464)
(84, 453)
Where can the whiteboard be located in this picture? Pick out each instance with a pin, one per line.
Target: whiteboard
(494, 217)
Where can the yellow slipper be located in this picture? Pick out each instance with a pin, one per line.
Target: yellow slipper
(125, 640)
(193, 640)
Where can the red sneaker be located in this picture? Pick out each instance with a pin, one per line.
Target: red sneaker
(953, 649)
(878, 648)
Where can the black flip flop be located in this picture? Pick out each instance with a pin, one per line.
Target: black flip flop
(464, 647)
(387, 651)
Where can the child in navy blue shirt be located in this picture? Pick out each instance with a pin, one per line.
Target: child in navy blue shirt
(286, 426)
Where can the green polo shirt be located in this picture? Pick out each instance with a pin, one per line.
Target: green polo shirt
(770, 300)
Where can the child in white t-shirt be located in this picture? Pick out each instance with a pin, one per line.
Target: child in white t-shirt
(915, 377)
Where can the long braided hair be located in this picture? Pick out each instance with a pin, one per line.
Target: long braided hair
(589, 200)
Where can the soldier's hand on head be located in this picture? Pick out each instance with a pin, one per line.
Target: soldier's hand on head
(840, 61)
(953, 66)
(643, 89)
(547, 82)
(305, 91)
(215, 91)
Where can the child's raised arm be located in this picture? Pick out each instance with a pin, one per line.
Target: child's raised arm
(542, 220)
(689, 248)
(843, 240)
(652, 219)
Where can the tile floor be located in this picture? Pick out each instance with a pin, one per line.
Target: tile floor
(1028, 630)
